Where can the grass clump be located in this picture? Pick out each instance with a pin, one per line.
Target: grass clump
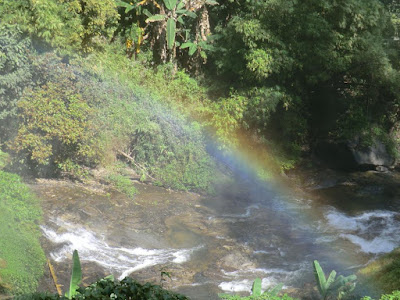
(122, 184)
(22, 258)
(385, 271)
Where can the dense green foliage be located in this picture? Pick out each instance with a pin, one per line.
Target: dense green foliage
(21, 256)
(395, 295)
(312, 53)
(67, 24)
(14, 74)
(282, 73)
(107, 288)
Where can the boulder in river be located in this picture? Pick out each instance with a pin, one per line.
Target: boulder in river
(352, 155)
(375, 154)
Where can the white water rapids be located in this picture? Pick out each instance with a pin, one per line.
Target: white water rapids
(120, 260)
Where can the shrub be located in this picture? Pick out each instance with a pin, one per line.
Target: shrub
(55, 127)
(109, 289)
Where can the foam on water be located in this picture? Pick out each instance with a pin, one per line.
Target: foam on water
(375, 246)
(242, 280)
(120, 260)
(244, 285)
(374, 232)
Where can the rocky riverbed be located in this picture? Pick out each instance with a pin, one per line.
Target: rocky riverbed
(222, 243)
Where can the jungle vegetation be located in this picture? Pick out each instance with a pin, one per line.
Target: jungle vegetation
(86, 83)
(97, 83)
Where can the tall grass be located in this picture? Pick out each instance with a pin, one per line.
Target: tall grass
(20, 252)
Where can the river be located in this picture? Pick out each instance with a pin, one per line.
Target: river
(222, 243)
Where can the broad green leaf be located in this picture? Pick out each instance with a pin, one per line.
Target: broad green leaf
(122, 4)
(256, 289)
(320, 278)
(155, 18)
(187, 45)
(192, 49)
(331, 279)
(186, 13)
(180, 20)
(147, 13)
(170, 4)
(180, 5)
(171, 30)
(128, 7)
(76, 276)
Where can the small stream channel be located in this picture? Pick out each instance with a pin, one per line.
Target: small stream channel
(222, 243)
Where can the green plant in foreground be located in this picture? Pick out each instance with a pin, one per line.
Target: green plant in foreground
(106, 288)
(327, 286)
(76, 276)
(395, 295)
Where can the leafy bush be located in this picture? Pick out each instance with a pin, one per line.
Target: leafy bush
(107, 288)
(21, 256)
(55, 127)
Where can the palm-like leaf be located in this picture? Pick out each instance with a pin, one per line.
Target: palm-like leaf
(256, 289)
(171, 30)
(320, 278)
(76, 276)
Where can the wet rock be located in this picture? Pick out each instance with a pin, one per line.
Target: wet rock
(353, 155)
(236, 261)
(375, 154)
(382, 169)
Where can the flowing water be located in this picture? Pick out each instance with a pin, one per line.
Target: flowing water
(222, 243)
